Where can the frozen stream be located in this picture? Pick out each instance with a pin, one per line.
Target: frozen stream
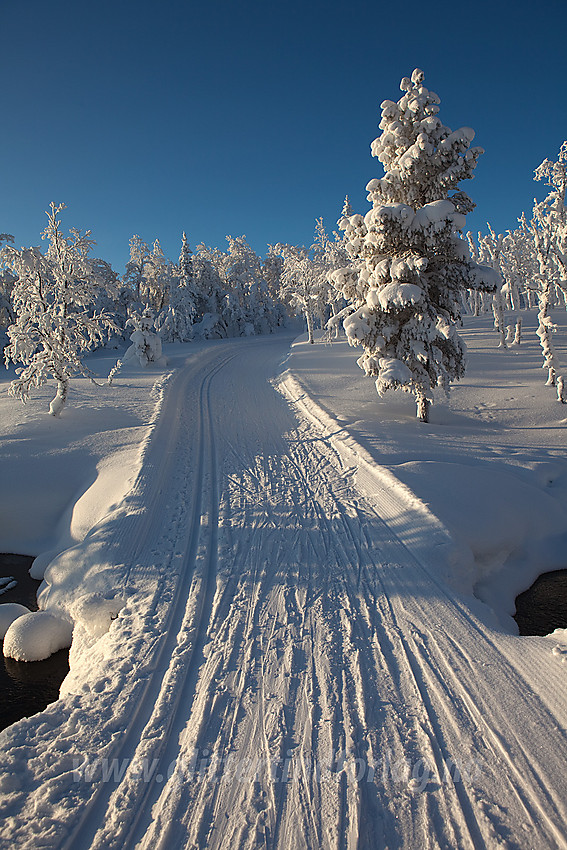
(26, 688)
(542, 608)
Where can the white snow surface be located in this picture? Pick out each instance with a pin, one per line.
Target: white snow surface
(291, 608)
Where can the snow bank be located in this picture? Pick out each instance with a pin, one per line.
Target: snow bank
(488, 474)
(62, 479)
(37, 635)
(414, 523)
(512, 527)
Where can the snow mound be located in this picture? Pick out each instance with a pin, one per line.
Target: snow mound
(96, 612)
(9, 612)
(37, 635)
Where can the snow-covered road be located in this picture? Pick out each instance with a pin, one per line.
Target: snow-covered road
(289, 670)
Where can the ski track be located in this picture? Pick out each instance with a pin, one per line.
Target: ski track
(315, 684)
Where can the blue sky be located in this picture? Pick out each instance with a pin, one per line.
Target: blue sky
(256, 117)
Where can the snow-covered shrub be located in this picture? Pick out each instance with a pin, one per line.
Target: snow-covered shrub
(411, 265)
(146, 344)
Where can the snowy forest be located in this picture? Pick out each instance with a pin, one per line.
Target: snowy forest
(397, 279)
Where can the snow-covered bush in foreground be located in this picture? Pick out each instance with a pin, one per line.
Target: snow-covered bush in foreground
(411, 264)
(53, 298)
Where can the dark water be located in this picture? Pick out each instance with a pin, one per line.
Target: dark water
(543, 607)
(26, 687)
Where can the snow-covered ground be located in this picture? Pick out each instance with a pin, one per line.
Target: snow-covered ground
(276, 580)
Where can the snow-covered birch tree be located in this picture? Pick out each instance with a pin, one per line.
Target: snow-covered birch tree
(491, 247)
(53, 298)
(304, 283)
(134, 277)
(411, 262)
(549, 230)
(7, 280)
(551, 214)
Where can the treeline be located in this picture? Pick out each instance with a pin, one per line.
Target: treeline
(60, 303)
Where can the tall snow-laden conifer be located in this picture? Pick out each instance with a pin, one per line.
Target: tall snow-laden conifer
(411, 263)
(176, 320)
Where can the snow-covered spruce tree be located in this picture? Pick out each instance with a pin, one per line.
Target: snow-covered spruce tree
(175, 322)
(247, 300)
(53, 298)
(209, 288)
(272, 269)
(410, 260)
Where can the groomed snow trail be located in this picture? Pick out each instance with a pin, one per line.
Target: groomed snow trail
(296, 677)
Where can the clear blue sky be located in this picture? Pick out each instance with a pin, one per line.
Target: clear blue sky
(248, 116)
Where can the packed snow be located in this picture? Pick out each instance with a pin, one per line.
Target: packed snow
(290, 603)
